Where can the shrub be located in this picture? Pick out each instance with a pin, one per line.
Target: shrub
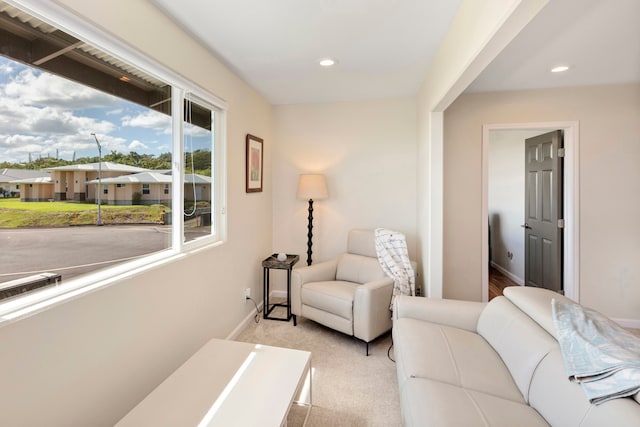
(136, 199)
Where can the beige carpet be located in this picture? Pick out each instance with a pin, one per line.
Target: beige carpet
(348, 388)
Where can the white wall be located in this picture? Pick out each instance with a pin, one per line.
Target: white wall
(366, 150)
(86, 362)
(479, 31)
(609, 149)
(506, 200)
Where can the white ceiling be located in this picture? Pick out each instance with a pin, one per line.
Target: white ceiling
(384, 47)
(598, 39)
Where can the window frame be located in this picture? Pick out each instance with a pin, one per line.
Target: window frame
(77, 26)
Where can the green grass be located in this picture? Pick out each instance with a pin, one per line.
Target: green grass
(14, 213)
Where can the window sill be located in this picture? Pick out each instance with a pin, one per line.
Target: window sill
(24, 306)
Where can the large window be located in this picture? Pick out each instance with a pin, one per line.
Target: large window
(92, 141)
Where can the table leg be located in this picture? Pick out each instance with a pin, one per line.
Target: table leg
(288, 293)
(265, 291)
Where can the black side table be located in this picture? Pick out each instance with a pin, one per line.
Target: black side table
(267, 264)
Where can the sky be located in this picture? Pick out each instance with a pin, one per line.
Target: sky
(41, 113)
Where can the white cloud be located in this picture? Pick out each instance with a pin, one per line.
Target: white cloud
(195, 131)
(137, 145)
(16, 148)
(13, 141)
(41, 113)
(149, 119)
(18, 118)
(6, 68)
(36, 88)
(109, 143)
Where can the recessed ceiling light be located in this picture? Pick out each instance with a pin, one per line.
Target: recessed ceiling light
(327, 62)
(559, 69)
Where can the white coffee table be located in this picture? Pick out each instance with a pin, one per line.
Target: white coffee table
(229, 383)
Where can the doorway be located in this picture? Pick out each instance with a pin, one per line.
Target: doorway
(508, 249)
(525, 205)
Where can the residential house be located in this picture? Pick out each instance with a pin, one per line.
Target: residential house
(72, 182)
(119, 183)
(153, 187)
(9, 187)
(411, 163)
(35, 189)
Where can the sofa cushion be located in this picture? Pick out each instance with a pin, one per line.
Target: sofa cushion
(520, 342)
(332, 297)
(450, 355)
(358, 269)
(426, 402)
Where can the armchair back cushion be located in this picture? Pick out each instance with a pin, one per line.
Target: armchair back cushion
(362, 242)
(360, 263)
(358, 269)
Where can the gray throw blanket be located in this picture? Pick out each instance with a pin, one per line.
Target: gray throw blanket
(600, 355)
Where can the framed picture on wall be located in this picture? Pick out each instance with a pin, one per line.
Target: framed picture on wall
(254, 164)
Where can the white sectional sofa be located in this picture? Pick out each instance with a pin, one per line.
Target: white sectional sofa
(468, 364)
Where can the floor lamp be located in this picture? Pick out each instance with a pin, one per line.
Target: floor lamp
(310, 187)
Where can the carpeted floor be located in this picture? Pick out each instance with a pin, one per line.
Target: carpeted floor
(348, 388)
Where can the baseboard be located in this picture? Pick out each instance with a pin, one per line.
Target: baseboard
(250, 318)
(628, 323)
(509, 274)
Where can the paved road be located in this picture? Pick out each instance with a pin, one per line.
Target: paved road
(71, 251)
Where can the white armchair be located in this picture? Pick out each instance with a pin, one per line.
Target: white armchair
(350, 294)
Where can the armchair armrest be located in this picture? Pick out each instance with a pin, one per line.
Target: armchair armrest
(319, 272)
(371, 314)
(456, 313)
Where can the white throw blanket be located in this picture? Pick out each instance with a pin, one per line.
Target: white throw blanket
(391, 248)
(600, 355)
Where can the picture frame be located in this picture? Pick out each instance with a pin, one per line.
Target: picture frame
(254, 157)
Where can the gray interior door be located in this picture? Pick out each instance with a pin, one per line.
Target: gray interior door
(543, 211)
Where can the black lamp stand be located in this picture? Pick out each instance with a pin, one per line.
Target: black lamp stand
(309, 234)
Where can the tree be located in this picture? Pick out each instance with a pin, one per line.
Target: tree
(201, 160)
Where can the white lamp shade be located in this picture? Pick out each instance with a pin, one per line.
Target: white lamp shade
(312, 186)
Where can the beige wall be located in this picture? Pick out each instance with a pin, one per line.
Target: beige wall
(609, 153)
(366, 150)
(36, 192)
(156, 192)
(480, 29)
(120, 193)
(87, 361)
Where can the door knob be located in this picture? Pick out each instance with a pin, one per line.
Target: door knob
(526, 226)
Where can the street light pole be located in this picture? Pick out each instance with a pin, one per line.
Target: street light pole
(99, 221)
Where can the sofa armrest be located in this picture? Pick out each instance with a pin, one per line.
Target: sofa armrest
(371, 314)
(319, 272)
(456, 313)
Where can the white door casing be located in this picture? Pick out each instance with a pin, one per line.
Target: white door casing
(571, 203)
